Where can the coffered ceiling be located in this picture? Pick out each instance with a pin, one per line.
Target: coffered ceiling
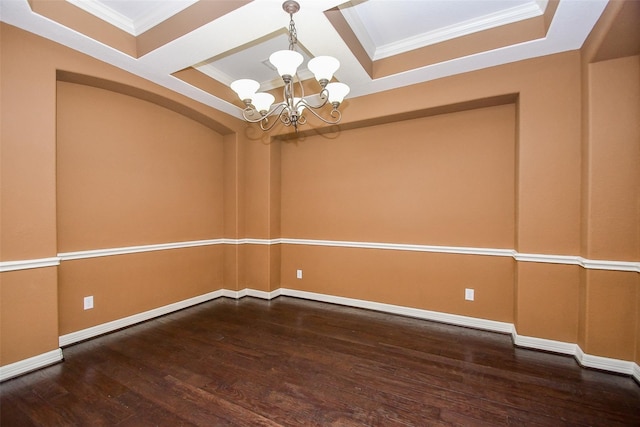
(197, 47)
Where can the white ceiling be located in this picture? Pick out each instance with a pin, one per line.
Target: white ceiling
(236, 44)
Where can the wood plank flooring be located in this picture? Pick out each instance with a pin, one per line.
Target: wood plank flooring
(291, 362)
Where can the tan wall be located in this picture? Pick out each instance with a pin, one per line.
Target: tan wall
(411, 279)
(612, 207)
(444, 180)
(523, 188)
(611, 314)
(124, 285)
(548, 301)
(132, 173)
(28, 313)
(129, 206)
(613, 160)
(441, 180)
(529, 201)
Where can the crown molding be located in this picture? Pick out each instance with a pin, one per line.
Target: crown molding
(161, 12)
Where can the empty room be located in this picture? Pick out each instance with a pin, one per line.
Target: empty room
(361, 212)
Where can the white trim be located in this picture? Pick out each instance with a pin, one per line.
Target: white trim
(234, 294)
(544, 344)
(31, 364)
(263, 294)
(585, 360)
(550, 259)
(401, 247)
(605, 363)
(100, 10)
(595, 264)
(591, 264)
(454, 319)
(247, 292)
(67, 256)
(631, 266)
(28, 264)
(103, 328)
(135, 27)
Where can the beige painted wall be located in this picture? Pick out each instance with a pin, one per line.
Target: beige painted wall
(117, 201)
(610, 320)
(540, 176)
(444, 180)
(131, 173)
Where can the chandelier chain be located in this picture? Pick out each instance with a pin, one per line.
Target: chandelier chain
(293, 34)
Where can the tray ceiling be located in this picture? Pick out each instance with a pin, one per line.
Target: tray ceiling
(381, 44)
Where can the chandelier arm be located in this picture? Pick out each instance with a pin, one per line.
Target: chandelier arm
(335, 113)
(301, 87)
(324, 97)
(277, 118)
(248, 112)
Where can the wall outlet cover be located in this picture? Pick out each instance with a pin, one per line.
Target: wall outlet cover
(469, 294)
(88, 302)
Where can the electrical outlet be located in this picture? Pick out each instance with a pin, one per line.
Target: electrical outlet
(299, 274)
(469, 294)
(88, 302)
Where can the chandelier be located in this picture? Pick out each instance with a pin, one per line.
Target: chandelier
(259, 106)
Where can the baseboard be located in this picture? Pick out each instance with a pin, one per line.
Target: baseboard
(545, 344)
(94, 331)
(31, 364)
(250, 293)
(585, 360)
(454, 319)
(605, 363)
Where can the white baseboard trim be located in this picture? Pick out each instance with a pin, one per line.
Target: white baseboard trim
(454, 319)
(94, 331)
(605, 363)
(585, 360)
(31, 364)
(264, 295)
(545, 344)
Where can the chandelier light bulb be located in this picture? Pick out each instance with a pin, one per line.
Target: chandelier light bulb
(286, 62)
(323, 68)
(262, 101)
(337, 92)
(245, 88)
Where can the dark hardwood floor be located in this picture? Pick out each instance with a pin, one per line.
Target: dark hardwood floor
(298, 363)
